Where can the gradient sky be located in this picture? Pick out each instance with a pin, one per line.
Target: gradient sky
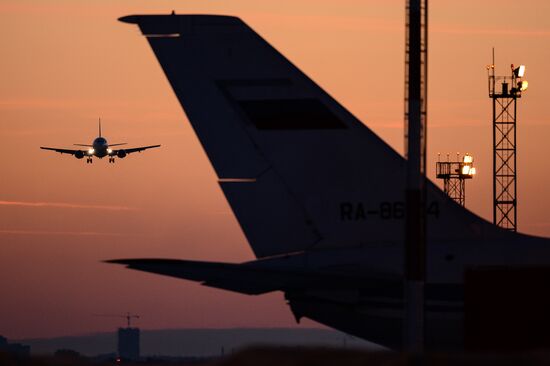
(65, 63)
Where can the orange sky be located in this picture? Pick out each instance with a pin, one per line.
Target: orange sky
(66, 63)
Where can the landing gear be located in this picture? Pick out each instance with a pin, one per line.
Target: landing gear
(89, 160)
(111, 160)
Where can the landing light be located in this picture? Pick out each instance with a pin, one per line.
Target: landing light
(109, 151)
(91, 152)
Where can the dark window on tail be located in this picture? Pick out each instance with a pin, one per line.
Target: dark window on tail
(290, 114)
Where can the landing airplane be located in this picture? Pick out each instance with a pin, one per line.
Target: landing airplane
(100, 149)
(320, 199)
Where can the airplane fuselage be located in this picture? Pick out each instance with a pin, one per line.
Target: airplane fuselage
(373, 309)
(100, 148)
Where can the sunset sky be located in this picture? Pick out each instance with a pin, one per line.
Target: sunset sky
(65, 63)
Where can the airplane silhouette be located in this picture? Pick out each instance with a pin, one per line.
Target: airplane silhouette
(100, 148)
(321, 201)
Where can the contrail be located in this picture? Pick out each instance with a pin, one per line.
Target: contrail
(65, 205)
(75, 233)
(490, 31)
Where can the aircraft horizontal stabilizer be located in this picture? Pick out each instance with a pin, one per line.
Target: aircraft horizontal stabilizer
(228, 276)
(251, 278)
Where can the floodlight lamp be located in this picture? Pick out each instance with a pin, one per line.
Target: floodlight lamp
(519, 71)
(465, 170)
(522, 85)
(472, 171)
(468, 159)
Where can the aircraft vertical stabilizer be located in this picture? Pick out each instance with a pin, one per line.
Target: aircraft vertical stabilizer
(298, 169)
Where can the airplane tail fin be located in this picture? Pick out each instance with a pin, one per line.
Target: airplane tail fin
(100, 127)
(297, 168)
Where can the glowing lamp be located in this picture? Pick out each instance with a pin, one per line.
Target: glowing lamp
(91, 152)
(519, 71)
(522, 85)
(109, 151)
(468, 159)
(468, 170)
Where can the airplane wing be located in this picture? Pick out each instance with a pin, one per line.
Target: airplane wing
(134, 149)
(65, 151)
(253, 278)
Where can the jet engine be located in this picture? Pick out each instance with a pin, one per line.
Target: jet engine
(79, 154)
(121, 154)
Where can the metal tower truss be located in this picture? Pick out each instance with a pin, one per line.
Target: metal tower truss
(455, 189)
(504, 161)
(419, 73)
(505, 91)
(454, 175)
(416, 79)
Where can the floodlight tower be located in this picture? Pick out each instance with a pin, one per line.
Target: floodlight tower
(504, 143)
(454, 175)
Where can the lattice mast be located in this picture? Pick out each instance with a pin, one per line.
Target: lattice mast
(504, 92)
(416, 80)
(454, 175)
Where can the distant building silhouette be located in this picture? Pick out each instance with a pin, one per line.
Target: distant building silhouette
(128, 343)
(15, 348)
(67, 354)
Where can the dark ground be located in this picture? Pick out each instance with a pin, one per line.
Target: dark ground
(289, 356)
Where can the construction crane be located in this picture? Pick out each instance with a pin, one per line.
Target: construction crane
(129, 316)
